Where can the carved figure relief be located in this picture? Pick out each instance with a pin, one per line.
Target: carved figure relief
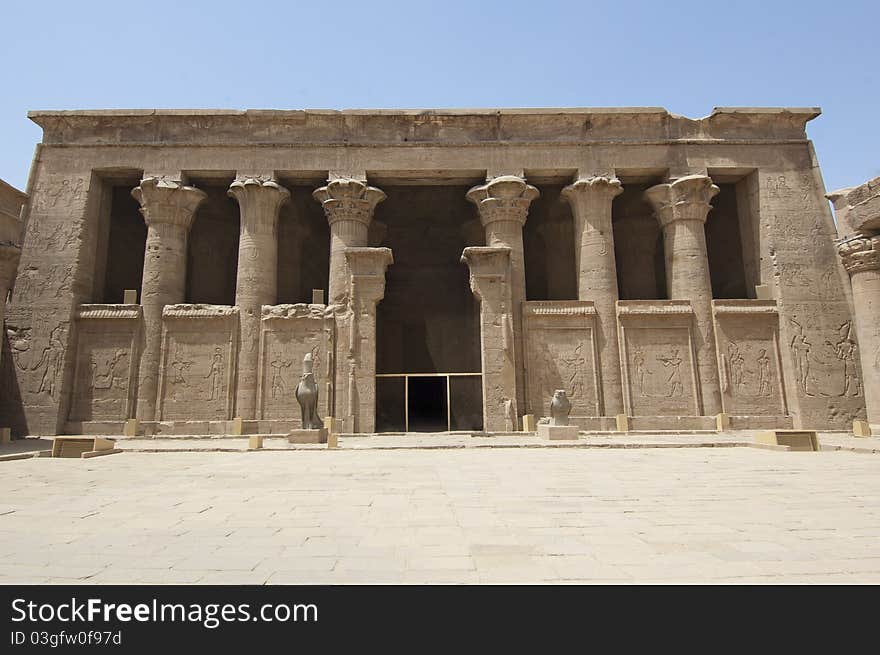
(659, 369)
(51, 363)
(830, 371)
(215, 375)
(278, 385)
(105, 376)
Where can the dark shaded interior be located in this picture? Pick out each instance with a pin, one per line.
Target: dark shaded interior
(125, 246)
(303, 246)
(428, 321)
(638, 246)
(427, 404)
(548, 243)
(724, 246)
(212, 257)
(390, 404)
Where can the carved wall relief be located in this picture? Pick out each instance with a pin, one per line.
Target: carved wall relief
(659, 363)
(199, 350)
(287, 333)
(561, 354)
(105, 364)
(747, 333)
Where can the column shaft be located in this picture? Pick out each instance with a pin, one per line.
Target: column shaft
(256, 284)
(590, 200)
(168, 208)
(861, 257)
(681, 208)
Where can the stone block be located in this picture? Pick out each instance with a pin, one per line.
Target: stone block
(131, 427)
(861, 428)
(80, 447)
(763, 292)
(317, 296)
(622, 421)
(255, 442)
(5, 435)
(307, 436)
(722, 422)
(806, 440)
(234, 427)
(332, 440)
(528, 422)
(557, 432)
(130, 297)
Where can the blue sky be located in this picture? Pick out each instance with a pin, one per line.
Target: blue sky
(685, 56)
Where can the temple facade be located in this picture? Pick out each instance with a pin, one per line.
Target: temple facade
(446, 270)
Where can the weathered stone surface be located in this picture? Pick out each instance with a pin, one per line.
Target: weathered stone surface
(736, 197)
(858, 219)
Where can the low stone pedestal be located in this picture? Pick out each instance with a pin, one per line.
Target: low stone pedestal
(557, 432)
(528, 423)
(861, 428)
(795, 439)
(255, 442)
(307, 436)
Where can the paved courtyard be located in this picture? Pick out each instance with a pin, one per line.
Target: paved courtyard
(483, 515)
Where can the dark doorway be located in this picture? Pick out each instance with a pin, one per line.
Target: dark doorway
(427, 404)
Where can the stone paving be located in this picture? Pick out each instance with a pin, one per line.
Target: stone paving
(478, 515)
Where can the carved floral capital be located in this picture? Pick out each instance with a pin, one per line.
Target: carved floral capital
(348, 200)
(167, 201)
(603, 189)
(506, 198)
(860, 253)
(259, 200)
(684, 199)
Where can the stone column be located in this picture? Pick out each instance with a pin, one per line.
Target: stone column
(348, 205)
(681, 207)
(590, 201)
(638, 245)
(503, 206)
(356, 374)
(256, 283)
(168, 207)
(490, 273)
(861, 258)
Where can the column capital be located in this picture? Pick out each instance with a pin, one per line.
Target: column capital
(605, 188)
(506, 198)
(346, 199)
(259, 200)
(487, 264)
(683, 199)
(167, 201)
(860, 253)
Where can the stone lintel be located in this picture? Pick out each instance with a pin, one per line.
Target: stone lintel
(186, 310)
(745, 307)
(407, 127)
(655, 307)
(108, 312)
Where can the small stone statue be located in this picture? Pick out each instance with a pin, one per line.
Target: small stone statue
(560, 407)
(307, 397)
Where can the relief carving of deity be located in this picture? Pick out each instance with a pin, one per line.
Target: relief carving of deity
(215, 375)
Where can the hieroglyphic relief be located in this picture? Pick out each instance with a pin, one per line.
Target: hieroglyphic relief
(825, 364)
(287, 334)
(659, 363)
(104, 366)
(42, 367)
(198, 362)
(747, 334)
(560, 354)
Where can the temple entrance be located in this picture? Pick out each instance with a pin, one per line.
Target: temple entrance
(427, 327)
